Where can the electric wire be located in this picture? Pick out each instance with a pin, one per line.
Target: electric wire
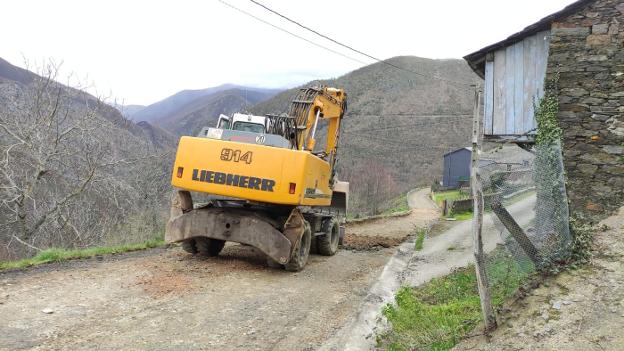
(291, 33)
(356, 50)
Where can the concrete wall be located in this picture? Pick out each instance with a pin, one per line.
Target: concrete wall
(587, 51)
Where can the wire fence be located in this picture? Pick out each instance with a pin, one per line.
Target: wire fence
(526, 224)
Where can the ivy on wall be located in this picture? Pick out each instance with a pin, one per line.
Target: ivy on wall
(548, 130)
(551, 208)
(552, 214)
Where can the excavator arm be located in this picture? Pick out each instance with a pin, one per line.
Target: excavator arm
(312, 105)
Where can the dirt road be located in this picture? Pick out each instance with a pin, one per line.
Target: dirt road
(164, 299)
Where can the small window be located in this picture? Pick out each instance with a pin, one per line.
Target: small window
(224, 124)
(249, 127)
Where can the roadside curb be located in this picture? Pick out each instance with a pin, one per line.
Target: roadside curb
(359, 334)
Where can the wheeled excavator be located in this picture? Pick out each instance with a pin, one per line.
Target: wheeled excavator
(267, 181)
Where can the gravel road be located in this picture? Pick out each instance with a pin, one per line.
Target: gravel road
(164, 299)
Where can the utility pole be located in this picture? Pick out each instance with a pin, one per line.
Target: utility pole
(477, 221)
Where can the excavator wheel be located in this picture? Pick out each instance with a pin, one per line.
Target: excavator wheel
(188, 245)
(301, 252)
(209, 247)
(327, 243)
(272, 263)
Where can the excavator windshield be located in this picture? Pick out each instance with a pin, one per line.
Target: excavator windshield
(248, 127)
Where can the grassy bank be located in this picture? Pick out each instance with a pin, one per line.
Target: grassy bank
(437, 315)
(55, 255)
(450, 195)
(396, 205)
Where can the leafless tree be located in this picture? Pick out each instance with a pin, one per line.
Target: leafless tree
(69, 168)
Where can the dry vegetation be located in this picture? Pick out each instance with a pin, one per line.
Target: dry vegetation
(73, 172)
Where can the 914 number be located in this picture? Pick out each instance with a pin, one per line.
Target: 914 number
(236, 155)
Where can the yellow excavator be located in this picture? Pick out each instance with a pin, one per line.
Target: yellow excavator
(266, 182)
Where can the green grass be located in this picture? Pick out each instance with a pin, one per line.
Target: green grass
(450, 195)
(420, 239)
(461, 216)
(55, 255)
(437, 315)
(396, 205)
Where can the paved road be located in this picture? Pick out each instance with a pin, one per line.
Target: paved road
(453, 248)
(441, 253)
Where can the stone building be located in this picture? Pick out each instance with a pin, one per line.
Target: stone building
(583, 45)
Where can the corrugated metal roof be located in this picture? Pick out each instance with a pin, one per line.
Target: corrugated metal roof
(476, 60)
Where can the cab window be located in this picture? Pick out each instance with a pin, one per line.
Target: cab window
(248, 127)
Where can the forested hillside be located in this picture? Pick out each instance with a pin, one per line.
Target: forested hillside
(398, 124)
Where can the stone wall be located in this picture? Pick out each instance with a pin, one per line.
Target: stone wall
(587, 52)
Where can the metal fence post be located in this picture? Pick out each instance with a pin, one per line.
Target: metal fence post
(477, 221)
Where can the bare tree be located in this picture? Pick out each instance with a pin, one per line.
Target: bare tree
(68, 166)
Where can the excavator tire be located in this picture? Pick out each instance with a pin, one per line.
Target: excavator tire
(209, 247)
(327, 244)
(188, 245)
(272, 263)
(301, 252)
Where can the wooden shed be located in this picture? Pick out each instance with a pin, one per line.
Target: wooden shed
(514, 71)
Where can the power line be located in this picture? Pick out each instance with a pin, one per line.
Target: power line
(410, 114)
(399, 126)
(293, 34)
(355, 50)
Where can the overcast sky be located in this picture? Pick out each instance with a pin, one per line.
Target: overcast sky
(143, 51)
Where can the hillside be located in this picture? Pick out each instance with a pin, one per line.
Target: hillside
(397, 125)
(73, 170)
(188, 119)
(128, 110)
(170, 106)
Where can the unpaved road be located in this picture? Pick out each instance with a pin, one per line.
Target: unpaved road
(423, 209)
(164, 299)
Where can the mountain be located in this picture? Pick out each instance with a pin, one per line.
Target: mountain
(171, 104)
(187, 111)
(188, 119)
(74, 172)
(128, 111)
(398, 124)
